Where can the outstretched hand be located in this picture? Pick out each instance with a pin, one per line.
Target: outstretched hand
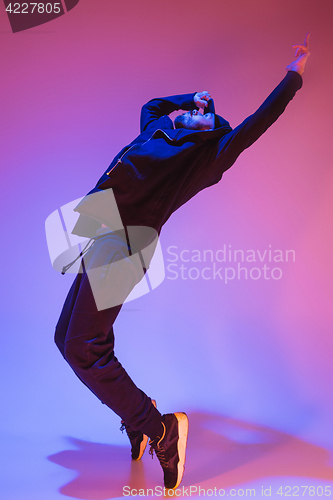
(302, 54)
(201, 99)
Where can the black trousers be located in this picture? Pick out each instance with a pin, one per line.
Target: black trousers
(84, 332)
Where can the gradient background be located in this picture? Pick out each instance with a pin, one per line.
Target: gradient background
(250, 361)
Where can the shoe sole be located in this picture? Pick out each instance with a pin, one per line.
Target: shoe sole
(143, 445)
(181, 446)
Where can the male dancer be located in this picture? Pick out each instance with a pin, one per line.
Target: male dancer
(149, 179)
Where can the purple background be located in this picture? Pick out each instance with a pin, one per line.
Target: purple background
(256, 352)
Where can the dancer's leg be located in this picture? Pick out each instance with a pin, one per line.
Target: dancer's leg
(89, 341)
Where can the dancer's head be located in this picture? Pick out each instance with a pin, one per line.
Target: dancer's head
(194, 120)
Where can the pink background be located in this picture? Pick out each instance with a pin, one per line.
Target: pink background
(254, 353)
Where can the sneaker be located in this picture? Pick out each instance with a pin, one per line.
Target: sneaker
(170, 448)
(137, 439)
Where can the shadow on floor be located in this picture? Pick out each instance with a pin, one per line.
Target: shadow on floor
(222, 452)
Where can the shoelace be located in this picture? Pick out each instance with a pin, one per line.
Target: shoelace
(126, 428)
(161, 455)
(159, 450)
(129, 431)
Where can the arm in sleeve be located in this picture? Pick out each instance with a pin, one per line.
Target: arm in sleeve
(232, 144)
(156, 108)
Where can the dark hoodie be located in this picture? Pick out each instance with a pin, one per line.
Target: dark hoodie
(164, 167)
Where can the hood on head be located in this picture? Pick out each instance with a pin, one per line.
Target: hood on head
(219, 121)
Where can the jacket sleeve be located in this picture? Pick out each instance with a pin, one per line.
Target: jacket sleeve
(156, 108)
(232, 144)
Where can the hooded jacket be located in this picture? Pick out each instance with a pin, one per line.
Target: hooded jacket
(165, 167)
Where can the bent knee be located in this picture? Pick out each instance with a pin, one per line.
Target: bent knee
(59, 339)
(77, 352)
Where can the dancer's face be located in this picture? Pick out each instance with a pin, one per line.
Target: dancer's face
(197, 121)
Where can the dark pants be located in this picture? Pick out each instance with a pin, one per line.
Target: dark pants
(84, 334)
